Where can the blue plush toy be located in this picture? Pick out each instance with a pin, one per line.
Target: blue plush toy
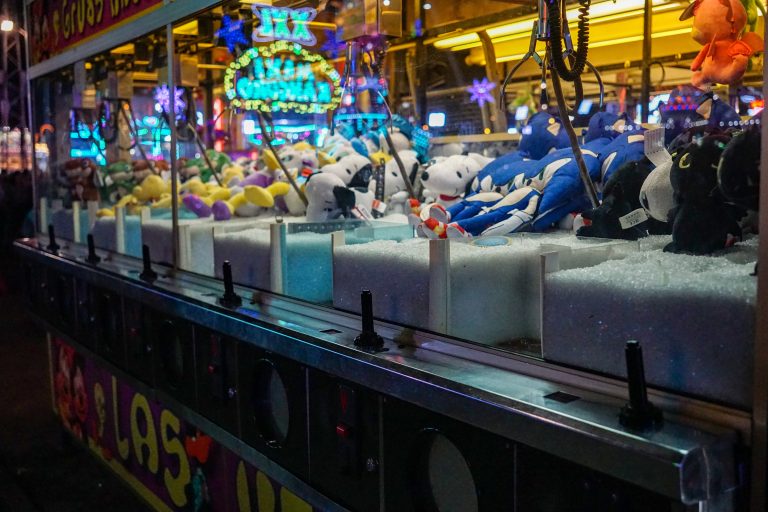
(536, 194)
(541, 136)
(627, 147)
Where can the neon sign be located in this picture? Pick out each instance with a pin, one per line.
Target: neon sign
(282, 77)
(274, 24)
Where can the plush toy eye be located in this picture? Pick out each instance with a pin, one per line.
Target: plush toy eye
(349, 172)
(458, 174)
(394, 174)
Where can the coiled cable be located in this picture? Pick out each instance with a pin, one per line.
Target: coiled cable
(556, 40)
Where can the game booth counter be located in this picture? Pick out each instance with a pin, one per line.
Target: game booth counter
(386, 255)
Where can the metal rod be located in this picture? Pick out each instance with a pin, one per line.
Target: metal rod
(170, 51)
(759, 500)
(589, 186)
(645, 90)
(288, 175)
(498, 117)
(135, 134)
(30, 123)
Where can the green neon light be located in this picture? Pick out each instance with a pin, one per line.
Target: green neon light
(282, 77)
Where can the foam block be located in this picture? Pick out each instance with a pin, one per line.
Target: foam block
(693, 315)
(397, 273)
(494, 289)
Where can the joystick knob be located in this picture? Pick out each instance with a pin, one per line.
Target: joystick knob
(230, 299)
(52, 245)
(639, 414)
(92, 258)
(368, 339)
(147, 274)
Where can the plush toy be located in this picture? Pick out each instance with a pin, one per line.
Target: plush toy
(538, 196)
(141, 170)
(621, 198)
(718, 26)
(81, 179)
(541, 137)
(738, 174)
(117, 181)
(395, 190)
(199, 167)
(354, 170)
(701, 221)
(448, 180)
(152, 188)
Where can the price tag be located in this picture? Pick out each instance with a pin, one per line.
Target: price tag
(633, 218)
(654, 147)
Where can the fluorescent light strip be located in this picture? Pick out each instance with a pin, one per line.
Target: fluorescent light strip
(604, 11)
(611, 42)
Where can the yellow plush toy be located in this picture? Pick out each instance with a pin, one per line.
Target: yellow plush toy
(152, 188)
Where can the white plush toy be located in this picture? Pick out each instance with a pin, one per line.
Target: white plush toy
(447, 180)
(399, 140)
(395, 190)
(330, 199)
(354, 170)
(656, 194)
(446, 150)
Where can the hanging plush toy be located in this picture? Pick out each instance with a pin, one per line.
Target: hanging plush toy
(718, 26)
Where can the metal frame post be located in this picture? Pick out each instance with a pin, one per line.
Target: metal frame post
(645, 92)
(759, 476)
(171, 51)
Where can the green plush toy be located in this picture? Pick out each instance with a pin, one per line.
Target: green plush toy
(200, 168)
(117, 181)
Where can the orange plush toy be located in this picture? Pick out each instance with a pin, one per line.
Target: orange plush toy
(718, 25)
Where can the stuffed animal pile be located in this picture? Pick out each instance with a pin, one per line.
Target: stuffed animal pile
(535, 194)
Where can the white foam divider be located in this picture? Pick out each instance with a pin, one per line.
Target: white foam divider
(44, 220)
(76, 222)
(278, 256)
(120, 229)
(439, 284)
(550, 262)
(93, 208)
(186, 255)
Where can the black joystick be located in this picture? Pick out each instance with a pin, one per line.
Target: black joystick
(230, 299)
(92, 257)
(639, 414)
(368, 339)
(147, 274)
(52, 245)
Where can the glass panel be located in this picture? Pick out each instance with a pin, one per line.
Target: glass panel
(106, 145)
(393, 125)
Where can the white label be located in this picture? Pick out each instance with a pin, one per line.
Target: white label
(108, 181)
(379, 206)
(361, 212)
(632, 219)
(654, 147)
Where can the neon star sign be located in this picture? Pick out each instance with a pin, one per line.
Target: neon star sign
(282, 77)
(162, 98)
(231, 32)
(275, 24)
(480, 91)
